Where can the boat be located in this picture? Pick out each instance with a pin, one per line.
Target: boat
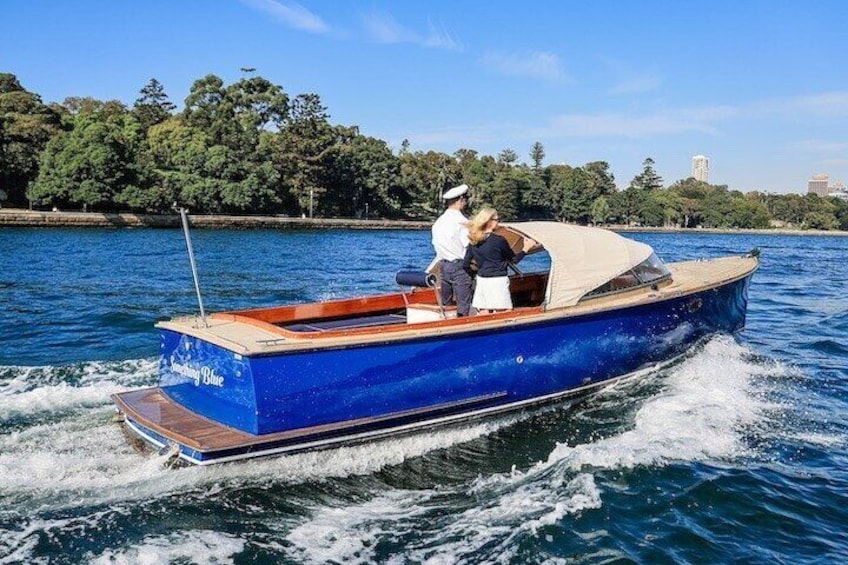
(276, 380)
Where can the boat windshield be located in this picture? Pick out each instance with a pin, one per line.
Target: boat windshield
(650, 271)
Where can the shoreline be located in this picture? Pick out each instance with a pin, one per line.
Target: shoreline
(21, 218)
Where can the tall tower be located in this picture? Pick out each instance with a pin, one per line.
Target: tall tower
(819, 184)
(701, 168)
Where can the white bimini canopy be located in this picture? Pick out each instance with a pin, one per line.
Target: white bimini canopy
(582, 258)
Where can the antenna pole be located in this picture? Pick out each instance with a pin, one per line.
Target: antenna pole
(184, 216)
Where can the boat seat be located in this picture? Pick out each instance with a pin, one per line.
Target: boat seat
(417, 313)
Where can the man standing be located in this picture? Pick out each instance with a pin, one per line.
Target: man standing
(450, 239)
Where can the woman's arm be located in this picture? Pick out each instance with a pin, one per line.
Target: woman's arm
(466, 261)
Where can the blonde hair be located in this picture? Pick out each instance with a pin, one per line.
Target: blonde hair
(477, 225)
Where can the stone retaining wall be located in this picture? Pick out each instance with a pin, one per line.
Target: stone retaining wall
(27, 218)
(11, 217)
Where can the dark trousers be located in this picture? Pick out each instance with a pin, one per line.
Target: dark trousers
(456, 284)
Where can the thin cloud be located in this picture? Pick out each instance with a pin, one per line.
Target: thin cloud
(535, 64)
(822, 146)
(636, 85)
(383, 28)
(825, 105)
(701, 120)
(705, 120)
(291, 14)
(457, 136)
(440, 39)
(586, 126)
(629, 81)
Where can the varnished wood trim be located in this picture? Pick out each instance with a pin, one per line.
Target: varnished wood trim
(201, 434)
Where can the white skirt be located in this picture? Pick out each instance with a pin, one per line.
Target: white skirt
(492, 293)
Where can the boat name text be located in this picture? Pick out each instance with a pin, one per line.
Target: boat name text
(204, 375)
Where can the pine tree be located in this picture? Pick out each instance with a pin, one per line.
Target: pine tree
(537, 155)
(153, 106)
(648, 179)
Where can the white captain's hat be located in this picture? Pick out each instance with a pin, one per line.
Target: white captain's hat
(455, 192)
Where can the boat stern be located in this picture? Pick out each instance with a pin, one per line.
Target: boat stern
(208, 379)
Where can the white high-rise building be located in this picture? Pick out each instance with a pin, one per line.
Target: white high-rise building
(701, 168)
(819, 184)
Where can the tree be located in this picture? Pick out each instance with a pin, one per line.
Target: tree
(506, 192)
(74, 106)
(477, 173)
(717, 208)
(648, 179)
(690, 194)
(302, 150)
(571, 186)
(240, 170)
(600, 211)
(208, 110)
(362, 177)
(377, 170)
(651, 211)
(536, 198)
(601, 180)
(749, 213)
(840, 212)
(573, 191)
(626, 204)
(537, 155)
(671, 205)
(791, 209)
(235, 115)
(93, 163)
(820, 221)
(178, 157)
(26, 125)
(153, 106)
(425, 176)
(507, 157)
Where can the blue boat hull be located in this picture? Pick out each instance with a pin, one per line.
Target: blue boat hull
(394, 384)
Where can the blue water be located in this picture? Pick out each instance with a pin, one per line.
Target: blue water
(737, 453)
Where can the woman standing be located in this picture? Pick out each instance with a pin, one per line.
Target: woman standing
(492, 254)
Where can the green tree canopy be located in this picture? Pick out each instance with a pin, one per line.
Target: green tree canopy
(26, 125)
(247, 147)
(92, 164)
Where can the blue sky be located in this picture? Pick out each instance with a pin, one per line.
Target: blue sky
(760, 87)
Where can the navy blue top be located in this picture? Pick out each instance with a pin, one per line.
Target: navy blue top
(492, 256)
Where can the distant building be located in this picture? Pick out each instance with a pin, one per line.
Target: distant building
(840, 194)
(701, 168)
(819, 184)
(838, 190)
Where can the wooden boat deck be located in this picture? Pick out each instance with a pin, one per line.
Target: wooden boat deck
(153, 409)
(363, 320)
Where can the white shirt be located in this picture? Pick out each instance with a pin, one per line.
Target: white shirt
(450, 235)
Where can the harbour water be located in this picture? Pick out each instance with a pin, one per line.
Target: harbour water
(735, 453)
